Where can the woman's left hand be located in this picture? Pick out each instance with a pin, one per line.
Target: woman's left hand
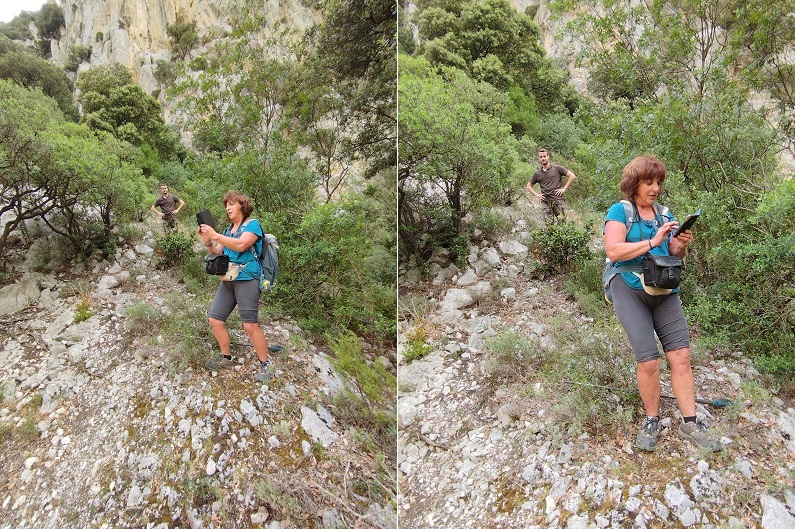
(678, 245)
(685, 238)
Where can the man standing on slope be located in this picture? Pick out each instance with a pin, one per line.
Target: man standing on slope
(169, 207)
(550, 179)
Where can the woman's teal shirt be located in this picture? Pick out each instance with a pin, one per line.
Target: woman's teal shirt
(643, 230)
(247, 259)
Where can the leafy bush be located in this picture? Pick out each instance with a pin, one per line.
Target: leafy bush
(165, 72)
(512, 357)
(142, 319)
(28, 69)
(456, 156)
(183, 37)
(195, 278)
(187, 322)
(340, 267)
(417, 346)
(173, 249)
(561, 135)
(745, 299)
(372, 379)
(77, 55)
(82, 309)
(560, 246)
(279, 496)
(49, 21)
(19, 27)
(584, 282)
(368, 403)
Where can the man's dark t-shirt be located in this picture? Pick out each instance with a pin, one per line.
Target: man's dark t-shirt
(167, 204)
(549, 180)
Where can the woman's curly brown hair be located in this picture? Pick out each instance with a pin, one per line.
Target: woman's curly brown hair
(646, 167)
(246, 207)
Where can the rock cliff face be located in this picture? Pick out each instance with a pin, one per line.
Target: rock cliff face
(133, 32)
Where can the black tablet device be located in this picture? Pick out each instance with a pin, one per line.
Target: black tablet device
(688, 223)
(205, 217)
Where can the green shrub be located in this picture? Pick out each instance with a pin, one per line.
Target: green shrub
(36, 401)
(165, 72)
(340, 269)
(19, 27)
(130, 232)
(49, 21)
(198, 64)
(187, 323)
(744, 298)
(417, 347)
(77, 55)
(183, 37)
(173, 249)
(201, 491)
(82, 309)
(195, 278)
(279, 496)
(512, 357)
(584, 282)
(27, 431)
(368, 403)
(493, 221)
(372, 378)
(142, 319)
(560, 246)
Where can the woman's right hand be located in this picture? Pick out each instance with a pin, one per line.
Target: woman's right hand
(663, 233)
(203, 234)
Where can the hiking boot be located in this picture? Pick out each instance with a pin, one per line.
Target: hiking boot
(647, 436)
(698, 433)
(265, 372)
(218, 363)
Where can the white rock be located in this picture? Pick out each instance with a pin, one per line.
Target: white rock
(259, 517)
(775, 514)
(513, 249)
(317, 428)
(457, 298)
(211, 466)
(469, 278)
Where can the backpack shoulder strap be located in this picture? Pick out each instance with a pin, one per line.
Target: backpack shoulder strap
(630, 212)
(259, 237)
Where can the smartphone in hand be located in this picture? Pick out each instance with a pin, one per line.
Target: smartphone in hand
(688, 223)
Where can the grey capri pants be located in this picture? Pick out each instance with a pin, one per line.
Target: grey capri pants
(244, 294)
(643, 315)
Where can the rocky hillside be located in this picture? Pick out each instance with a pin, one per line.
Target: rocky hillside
(101, 425)
(478, 453)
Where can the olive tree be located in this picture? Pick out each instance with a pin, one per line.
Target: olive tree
(455, 155)
(61, 173)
